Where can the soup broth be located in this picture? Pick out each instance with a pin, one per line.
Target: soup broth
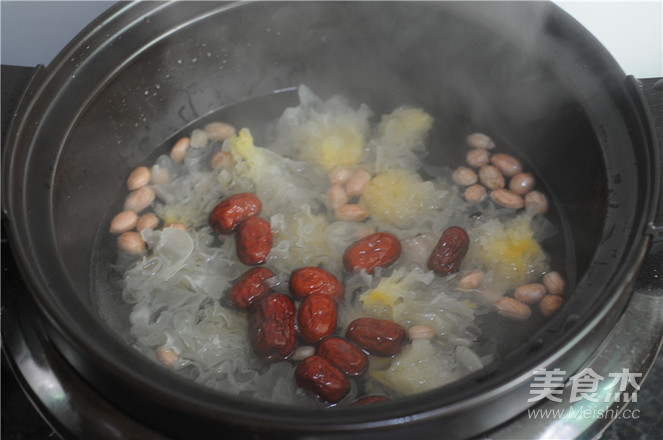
(329, 174)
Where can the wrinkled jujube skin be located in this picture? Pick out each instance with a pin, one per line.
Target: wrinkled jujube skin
(272, 327)
(376, 250)
(378, 337)
(449, 251)
(231, 211)
(344, 355)
(316, 317)
(310, 280)
(250, 286)
(254, 241)
(320, 378)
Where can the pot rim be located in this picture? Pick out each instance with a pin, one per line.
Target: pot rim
(405, 410)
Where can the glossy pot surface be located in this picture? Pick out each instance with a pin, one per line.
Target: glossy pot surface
(526, 73)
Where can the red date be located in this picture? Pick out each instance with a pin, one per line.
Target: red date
(254, 241)
(310, 280)
(250, 286)
(344, 355)
(317, 376)
(449, 251)
(272, 327)
(316, 317)
(230, 212)
(377, 336)
(370, 399)
(375, 250)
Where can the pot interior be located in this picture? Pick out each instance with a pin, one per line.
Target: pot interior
(474, 67)
(495, 85)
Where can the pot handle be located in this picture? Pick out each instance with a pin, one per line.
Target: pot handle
(651, 111)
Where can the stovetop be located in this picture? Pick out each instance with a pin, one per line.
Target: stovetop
(21, 419)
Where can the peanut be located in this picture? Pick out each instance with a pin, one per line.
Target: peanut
(491, 177)
(198, 138)
(222, 160)
(356, 185)
(508, 165)
(160, 175)
(147, 221)
(513, 309)
(480, 140)
(550, 304)
(507, 198)
(475, 193)
(218, 131)
(554, 283)
(140, 199)
(477, 157)
(339, 175)
(167, 356)
(530, 293)
(179, 149)
(471, 280)
(122, 222)
(420, 332)
(176, 225)
(336, 197)
(138, 177)
(536, 203)
(131, 242)
(464, 176)
(522, 183)
(351, 212)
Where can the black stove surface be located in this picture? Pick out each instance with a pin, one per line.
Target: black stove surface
(22, 419)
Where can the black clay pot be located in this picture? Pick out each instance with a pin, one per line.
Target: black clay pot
(525, 73)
